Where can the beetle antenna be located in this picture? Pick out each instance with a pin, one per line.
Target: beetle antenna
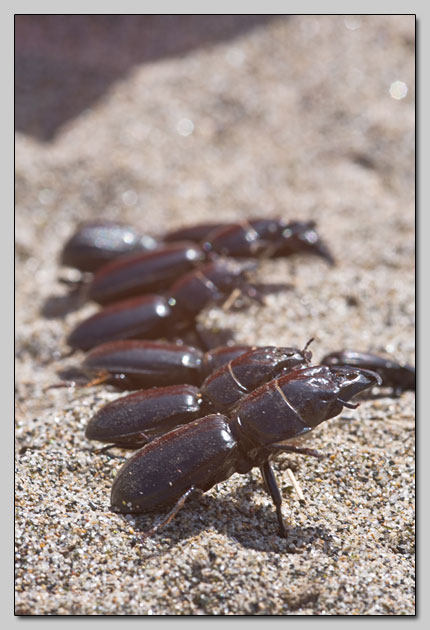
(308, 344)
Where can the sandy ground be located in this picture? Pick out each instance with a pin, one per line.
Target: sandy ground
(164, 121)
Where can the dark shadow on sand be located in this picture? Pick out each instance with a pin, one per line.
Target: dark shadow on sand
(65, 63)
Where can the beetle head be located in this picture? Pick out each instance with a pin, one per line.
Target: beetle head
(301, 236)
(319, 393)
(284, 359)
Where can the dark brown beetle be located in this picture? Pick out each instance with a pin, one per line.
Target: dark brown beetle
(150, 315)
(137, 364)
(194, 457)
(135, 419)
(98, 242)
(393, 374)
(138, 273)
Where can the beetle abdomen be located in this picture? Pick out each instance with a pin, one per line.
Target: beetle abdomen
(140, 273)
(135, 419)
(201, 453)
(148, 363)
(138, 317)
(99, 242)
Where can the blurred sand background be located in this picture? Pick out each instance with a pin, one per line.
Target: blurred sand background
(169, 120)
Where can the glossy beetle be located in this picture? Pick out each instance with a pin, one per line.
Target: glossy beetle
(393, 374)
(138, 364)
(98, 242)
(194, 457)
(150, 315)
(143, 272)
(102, 241)
(137, 418)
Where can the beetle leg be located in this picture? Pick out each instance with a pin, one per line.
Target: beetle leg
(171, 515)
(60, 385)
(291, 448)
(76, 283)
(273, 490)
(102, 377)
(250, 291)
(231, 299)
(139, 440)
(104, 449)
(348, 404)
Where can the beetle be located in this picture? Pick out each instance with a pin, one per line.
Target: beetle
(97, 242)
(151, 316)
(101, 242)
(143, 272)
(395, 375)
(138, 364)
(135, 419)
(194, 457)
